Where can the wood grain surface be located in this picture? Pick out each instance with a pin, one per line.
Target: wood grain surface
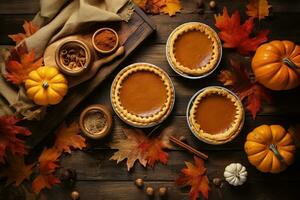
(100, 178)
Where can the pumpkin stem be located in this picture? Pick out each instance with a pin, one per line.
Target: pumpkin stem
(45, 85)
(290, 63)
(274, 149)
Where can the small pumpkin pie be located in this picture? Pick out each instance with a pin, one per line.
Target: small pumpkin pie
(194, 49)
(216, 115)
(142, 95)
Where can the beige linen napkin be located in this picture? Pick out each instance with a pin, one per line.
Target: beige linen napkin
(57, 19)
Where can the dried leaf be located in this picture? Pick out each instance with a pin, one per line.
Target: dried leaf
(8, 137)
(227, 78)
(195, 176)
(46, 166)
(172, 7)
(17, 71)
(17, 171)
(253, 96)
(67, 137)
(137, 146)
(29, 29)
(258, 9)
(235, 35)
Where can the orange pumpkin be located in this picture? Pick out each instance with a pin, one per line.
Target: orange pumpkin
(270, 148)
(276, 65)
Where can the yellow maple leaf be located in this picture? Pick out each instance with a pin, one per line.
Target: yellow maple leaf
(258, 9)
(172, 7)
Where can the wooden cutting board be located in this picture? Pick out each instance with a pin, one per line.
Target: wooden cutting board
(132, 33)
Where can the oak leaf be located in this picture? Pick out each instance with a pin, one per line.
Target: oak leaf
(138, 147)
(258, 9)
(47, 164)
(17, 71)
(8, 137)
(171, 7)
(17, 171)
(195, 176)
(237, 35)
(67, 137)
(29, 29)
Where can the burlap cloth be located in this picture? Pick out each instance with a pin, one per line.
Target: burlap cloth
(56, 19)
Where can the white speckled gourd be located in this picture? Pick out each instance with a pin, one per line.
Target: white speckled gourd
(235, 174)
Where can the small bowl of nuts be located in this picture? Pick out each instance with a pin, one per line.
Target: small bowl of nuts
(73, 57)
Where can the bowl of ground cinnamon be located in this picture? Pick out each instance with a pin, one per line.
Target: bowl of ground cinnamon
(105, 40)
(96, 121)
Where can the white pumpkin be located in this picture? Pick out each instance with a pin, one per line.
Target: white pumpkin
(235, 174)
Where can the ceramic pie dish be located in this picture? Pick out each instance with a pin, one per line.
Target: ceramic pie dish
(193, 50)
(142, 95)
(215, 115)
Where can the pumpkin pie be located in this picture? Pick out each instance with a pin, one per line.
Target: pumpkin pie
(216, 115)
(194, 49)
(142, 95)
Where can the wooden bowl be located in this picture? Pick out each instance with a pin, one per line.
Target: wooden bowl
(91, 111)
(73, 44)
(101, 50)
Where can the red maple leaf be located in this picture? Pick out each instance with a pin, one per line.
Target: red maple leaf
(237, 35)
(47, 165)
(29, 29)
(195, 176)
(8, 137)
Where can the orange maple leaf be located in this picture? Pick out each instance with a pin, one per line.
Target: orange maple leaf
(195, 176)
(227, 78)
(47, 164)
(171, 7)
(29, 29)
(17, 71)
(258, 9)
(8, 137)
(137, 146)
(236, 35)
(67, 137)
(17, 171)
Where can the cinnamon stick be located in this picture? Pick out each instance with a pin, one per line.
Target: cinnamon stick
(188, 148)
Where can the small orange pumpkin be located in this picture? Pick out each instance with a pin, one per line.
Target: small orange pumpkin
(276, 65)
(270, 148)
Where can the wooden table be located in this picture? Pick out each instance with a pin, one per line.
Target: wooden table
(99, 178)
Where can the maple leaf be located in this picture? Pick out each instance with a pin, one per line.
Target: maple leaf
(8, 137)
(47, 163)
(258, 9)
(236, 35)
(171, 7)
(138, 147)
(67, 137)
(253, 96)
(227, 78)
(17, 171)
(17, 71)
(195, 176)
(29, 29)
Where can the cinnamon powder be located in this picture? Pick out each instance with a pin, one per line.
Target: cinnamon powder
(105, 40)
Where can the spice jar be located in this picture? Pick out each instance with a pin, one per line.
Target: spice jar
(96, 121)
(105, 40)
(73, 57)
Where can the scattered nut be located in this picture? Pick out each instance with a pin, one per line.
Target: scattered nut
(212, 4)
(139, 182)
(200, 4)
(217, 181)
(75, 195)
(149, 191)
(163, 192)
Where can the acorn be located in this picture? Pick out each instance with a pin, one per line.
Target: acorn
(150, 191)
(75, 195)
(163, 192)
(212, 5)
(139, 182)
(217, 181)
(200, 4)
